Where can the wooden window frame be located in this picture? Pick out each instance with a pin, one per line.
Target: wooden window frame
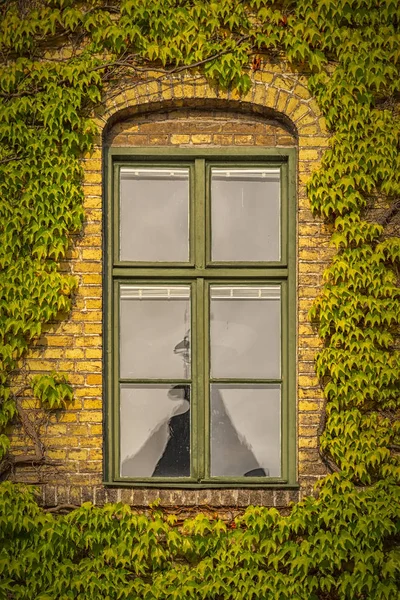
(199, 273)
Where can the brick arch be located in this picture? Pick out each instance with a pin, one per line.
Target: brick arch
(274, 94)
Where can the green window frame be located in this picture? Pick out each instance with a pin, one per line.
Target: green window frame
(124, 278)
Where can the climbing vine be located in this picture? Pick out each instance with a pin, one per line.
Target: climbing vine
(58, 59)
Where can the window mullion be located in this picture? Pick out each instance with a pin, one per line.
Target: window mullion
(199, 213)
(199, 378)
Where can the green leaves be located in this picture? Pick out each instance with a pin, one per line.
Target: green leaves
(52, 390)
(117, 553)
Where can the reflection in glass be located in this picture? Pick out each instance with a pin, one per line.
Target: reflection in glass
(154, 214)
(245, 214)
(245, 331)
(155, 430)
(245, 430)
(152, 320)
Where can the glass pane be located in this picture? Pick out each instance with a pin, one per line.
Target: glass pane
(245, 430)
(155, 332)
(245, 214)
(154, 214)
(245, 332)
(155, 430)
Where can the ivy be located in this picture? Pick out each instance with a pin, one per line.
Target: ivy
(58, 59)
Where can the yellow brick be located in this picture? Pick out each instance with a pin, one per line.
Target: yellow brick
(314, 141)
(271, 97)
(92, 328)
(93, 404)
(94, 227)
(93, 304)
(76, 379)
(91, 279)
(308, 154)
(307, 393)
(93, 340)
(90, 267)
(180, 139)
(259, 94)
(223, 139)
(315, 254)
(63, 441)
(201, 138)
(92, 316)
(92, 177)
(94, 465)
(89, 366)
(299, 112)
(68, 417)
(56, 454)
(90, 416)
(292, 105)
(74, 353)
(167, 91)
(304, 178)
(307, 442)
(93, 241)
(78, 429)
(92, 201)
(313, 104)
(304, 330)
(49, 353)
(283, 83)
(92, 164)
(87, 391)
(95, 455)
(93, 353)
(94, 379)
(152, 88)
(282, 100)
(41, 365)
(310, 130)
(89, 292)
(65, 365)
(244, 140)
(95, 153)
(92, 442)
(60, 340)
(266, 76)
(96, 429)
(322, 124)
(309, 292)
(78, 454)
(301, 91)
(308, 431)
(91, 253)
(307, 381)
(306, 405)
(30, 403)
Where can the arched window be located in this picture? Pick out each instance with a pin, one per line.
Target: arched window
(201, 316)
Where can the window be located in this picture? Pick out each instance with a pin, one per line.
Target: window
(200, 307)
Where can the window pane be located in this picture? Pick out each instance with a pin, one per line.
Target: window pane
(245, 430)
(155, 430)
(245, 332)
(155, 332)
(154, 214)
(245, 214)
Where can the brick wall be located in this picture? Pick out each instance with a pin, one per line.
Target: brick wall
(277, 112)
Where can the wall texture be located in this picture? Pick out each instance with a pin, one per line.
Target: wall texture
(183, 112)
